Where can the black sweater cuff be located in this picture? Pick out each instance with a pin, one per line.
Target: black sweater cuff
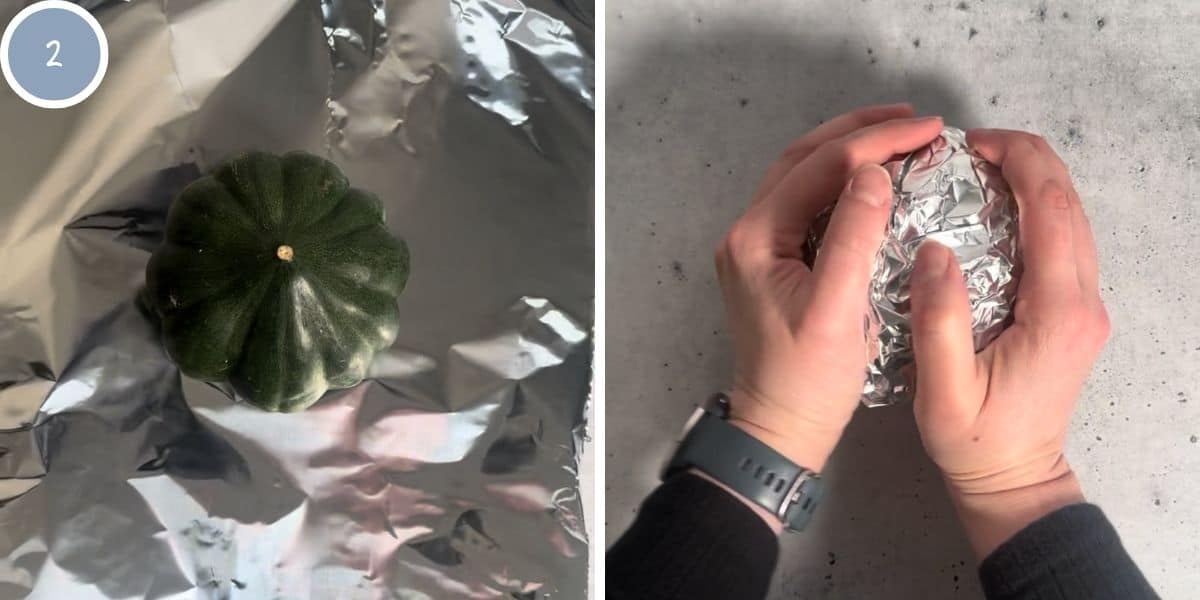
(1073, 552)
(692, 540)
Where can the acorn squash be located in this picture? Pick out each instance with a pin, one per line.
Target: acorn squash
(277, 276)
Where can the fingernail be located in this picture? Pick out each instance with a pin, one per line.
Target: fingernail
(871, 193)
(933, 261)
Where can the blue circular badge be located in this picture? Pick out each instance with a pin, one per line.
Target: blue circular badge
(54, 54)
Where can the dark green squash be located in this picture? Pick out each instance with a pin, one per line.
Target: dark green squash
(277, 276)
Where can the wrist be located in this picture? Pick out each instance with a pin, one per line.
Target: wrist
(767, 516)
(992, 517)
(806, 442)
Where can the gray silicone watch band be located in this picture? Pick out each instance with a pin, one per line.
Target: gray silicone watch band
(749, 467)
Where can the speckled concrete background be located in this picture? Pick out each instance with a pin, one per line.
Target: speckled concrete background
(702, 94)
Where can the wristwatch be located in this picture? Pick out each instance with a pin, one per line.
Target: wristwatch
(749, 467)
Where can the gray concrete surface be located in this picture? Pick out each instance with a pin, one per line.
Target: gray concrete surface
(701, 96)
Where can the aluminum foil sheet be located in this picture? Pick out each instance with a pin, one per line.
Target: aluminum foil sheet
(451, 472)
(944, 193)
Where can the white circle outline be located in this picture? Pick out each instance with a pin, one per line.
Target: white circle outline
(31, 10)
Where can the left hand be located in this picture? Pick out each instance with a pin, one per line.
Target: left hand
(799, 344)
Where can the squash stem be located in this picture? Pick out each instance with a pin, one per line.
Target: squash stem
(285, 253)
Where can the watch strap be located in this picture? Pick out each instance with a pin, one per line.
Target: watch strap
(749, 467)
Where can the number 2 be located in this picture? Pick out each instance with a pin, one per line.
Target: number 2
(53, 62)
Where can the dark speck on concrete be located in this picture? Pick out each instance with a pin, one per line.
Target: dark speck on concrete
(916, 42)
(1194, 439)
(1157, 502)
(1100, 23)
(1066, 15)
(1040, 13)
(743, 102)
(677, 269)
(1074, 136)
(238, 584)
(961, 6)
(832, 558)
(994, 100)
(971, 33)
(929, 7)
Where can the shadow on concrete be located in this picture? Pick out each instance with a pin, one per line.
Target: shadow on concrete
(886, 526)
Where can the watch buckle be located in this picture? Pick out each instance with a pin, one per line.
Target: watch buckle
(794, 495)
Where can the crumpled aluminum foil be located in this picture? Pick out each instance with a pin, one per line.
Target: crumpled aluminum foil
(945, 193)
(451, 472)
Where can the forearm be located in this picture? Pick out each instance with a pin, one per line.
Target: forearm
(692, 540)
(1072, 553)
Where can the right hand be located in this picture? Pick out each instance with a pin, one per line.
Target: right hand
(995, 422)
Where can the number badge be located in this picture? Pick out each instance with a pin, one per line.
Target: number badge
(54, 54)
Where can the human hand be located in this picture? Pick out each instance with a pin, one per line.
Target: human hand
(995, 422)
(799, 347)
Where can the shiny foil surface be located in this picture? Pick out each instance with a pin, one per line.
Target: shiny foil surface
(452, 471)
(944, 193)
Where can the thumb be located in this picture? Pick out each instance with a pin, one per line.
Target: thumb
(842, 270)
(942, 339)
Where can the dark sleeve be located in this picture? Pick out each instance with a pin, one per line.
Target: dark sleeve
(1073, 552)
(692, 540)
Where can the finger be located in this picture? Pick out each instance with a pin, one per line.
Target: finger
(828, 131)
(814, 183)
(1086, 261)
(942, 341)
(1031, 159)
(842, 271)
(1042, 188)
